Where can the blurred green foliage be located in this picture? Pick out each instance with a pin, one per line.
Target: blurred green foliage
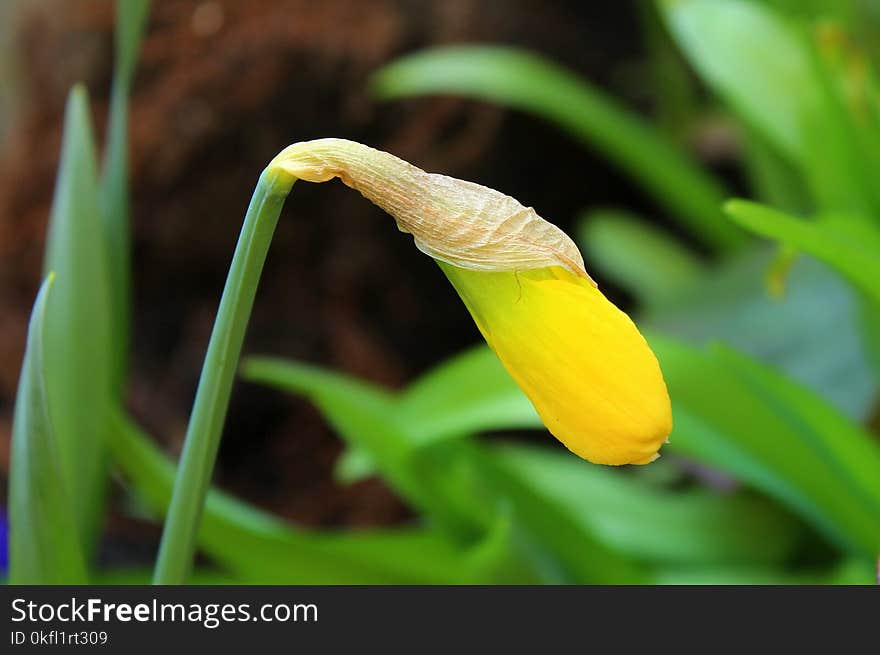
(130, 21)
(45, 544)
(771, 475)
(77, 324)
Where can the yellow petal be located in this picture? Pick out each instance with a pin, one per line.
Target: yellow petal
(581, 361)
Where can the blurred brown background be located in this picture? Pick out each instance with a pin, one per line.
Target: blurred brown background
(221, 87)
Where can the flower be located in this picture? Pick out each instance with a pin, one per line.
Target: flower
(589, 373)
(580, 360)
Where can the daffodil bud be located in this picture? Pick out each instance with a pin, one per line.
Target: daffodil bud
(581, 361)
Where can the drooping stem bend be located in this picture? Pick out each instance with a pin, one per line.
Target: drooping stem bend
(202, 441)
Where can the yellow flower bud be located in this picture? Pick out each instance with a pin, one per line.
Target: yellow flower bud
(581, 361)
(589, 373)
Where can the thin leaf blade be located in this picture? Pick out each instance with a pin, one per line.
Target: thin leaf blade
(848, 243)
(77, 333)
(778, 437)
(131, 16)
(641, 258)
(651, 524)
(262, 549)
(777, 86)
(44, 544)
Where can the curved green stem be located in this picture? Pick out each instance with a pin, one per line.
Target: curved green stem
(215, 385)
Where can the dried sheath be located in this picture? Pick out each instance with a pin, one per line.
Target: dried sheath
(453, 221)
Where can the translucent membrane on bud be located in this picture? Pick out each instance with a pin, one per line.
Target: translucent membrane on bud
(451, 220)
(589, 373)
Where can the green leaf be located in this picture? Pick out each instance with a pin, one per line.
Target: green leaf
(771, 84)
(352, 406)
(556, 528)
(353, 465)
(842, 10)
(772, 179)
(852, 85)
(732, 305)
(131, 17)
(259, 548)
(850, 244)
(645, 261)
(742, 417)
(848, 572)
(77, 324)
(282, 555)
(870, 326)
(843, 444)
(673, 89)
(366, 417)
(44, 545)
(328, 389)
(525, 81)
(647, 523)
(331, 392)
(468, 393)
(778, 86)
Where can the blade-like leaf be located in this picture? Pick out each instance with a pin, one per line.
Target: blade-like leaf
(131, 17)
(322, 386)
(77, 327)
(776, 65)
(673, 89)
(366, 417)
(854, 572)
(466, 394)
(694, 527)
(850, 244)
(44, 544)
(840, 10)
(353, 465)
(743, 418)
(340, 398)
(556, 529)
(525, 81)
(645, 261)
(262, 549)
(870, 327)
(849, 450)
(778, 87)
(772, 179)
(732, 305)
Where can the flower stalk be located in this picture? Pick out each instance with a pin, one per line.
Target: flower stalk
(202, 441)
